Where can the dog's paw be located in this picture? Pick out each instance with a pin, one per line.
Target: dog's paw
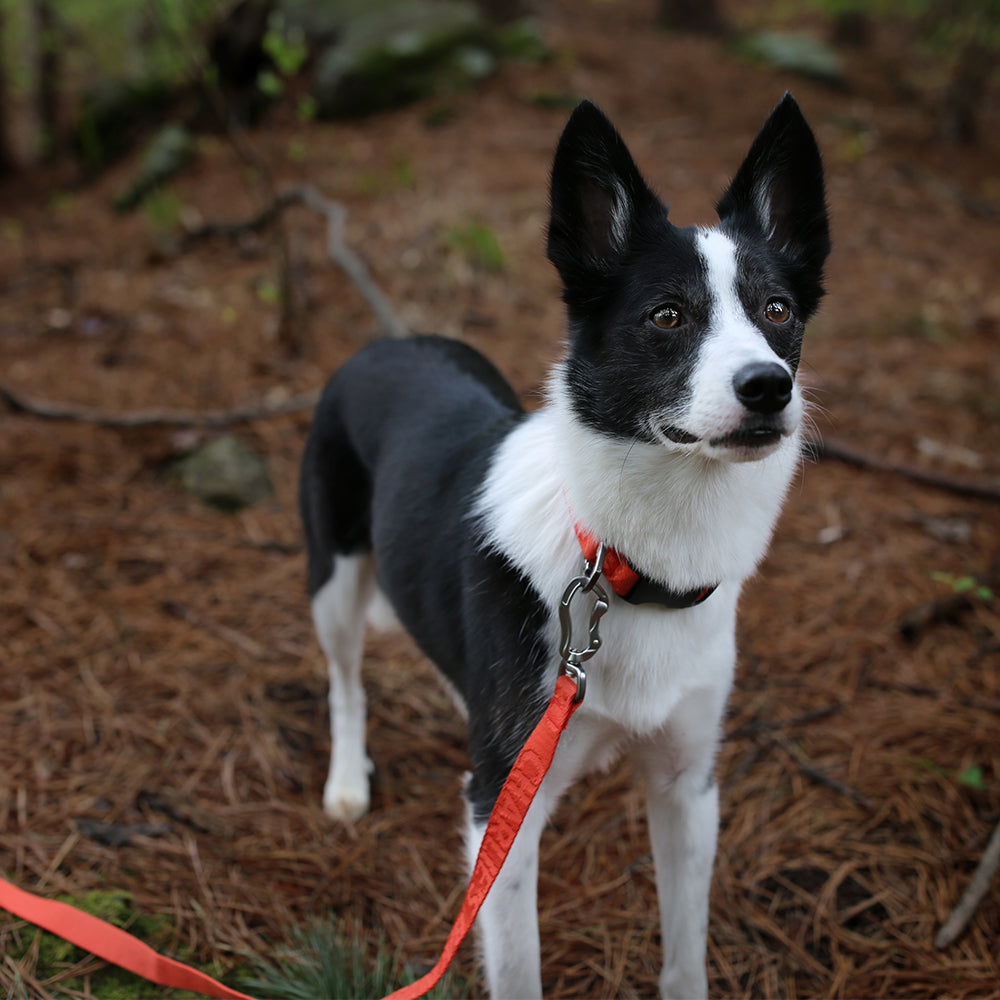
(347, 794)
(346, 801)
(683, 984)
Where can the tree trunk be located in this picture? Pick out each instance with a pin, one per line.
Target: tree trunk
(964, 96)
(6, 153)
(47, 77)
(701, 16)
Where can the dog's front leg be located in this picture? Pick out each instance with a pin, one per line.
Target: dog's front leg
(508, 920)
(682, 801)
(683, 825)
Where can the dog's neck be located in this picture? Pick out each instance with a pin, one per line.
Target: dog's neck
(678, 517)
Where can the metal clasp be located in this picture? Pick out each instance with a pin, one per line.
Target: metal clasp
(573, 658)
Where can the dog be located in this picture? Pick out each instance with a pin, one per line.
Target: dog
(670, 433)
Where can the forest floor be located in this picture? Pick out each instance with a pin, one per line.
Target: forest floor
(158, 662)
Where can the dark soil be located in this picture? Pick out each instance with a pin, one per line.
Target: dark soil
(158, 664)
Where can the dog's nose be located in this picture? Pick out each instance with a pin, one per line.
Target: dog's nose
(763, 386)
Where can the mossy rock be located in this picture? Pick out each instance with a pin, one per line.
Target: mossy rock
(794, 52)
(226, 474)
(167, 153)
(391, 54)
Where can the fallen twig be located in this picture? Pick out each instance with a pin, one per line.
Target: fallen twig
(817, 774)
(981, 879)
(119, 527)
(119, 834)
(820, 449)
(155, 418)
(275, 652)
(756, 726)
(340, 253)
(336, 247)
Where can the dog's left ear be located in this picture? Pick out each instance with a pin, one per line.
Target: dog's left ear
(779, 189)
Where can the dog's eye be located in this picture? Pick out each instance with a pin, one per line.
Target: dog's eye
(777, 311)
(666, 317)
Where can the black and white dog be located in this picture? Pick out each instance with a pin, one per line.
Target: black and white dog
(671, 433)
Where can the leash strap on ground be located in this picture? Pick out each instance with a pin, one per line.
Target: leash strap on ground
(508, 814)
(114, 945)
(110, 943)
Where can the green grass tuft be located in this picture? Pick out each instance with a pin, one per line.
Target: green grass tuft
(322, 960)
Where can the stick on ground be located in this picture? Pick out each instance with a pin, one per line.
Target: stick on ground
(973, 895)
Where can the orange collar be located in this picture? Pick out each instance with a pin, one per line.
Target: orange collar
(631, 585)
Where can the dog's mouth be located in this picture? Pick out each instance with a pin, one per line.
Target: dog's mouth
(675, 434)
(748, 437)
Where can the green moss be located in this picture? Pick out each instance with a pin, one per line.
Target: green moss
(55, 955)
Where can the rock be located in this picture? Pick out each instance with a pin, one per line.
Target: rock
(168, 152)
(795, 53)
(391, 53)
(226, 474)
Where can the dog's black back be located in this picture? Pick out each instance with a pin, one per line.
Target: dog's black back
(403, 435)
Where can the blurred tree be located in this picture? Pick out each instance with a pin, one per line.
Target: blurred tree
(48, 75)
(503, 11)
(237, 53)
(236, 42)
(967, 89)
(6, 154)
(702, 16)
(965, 32)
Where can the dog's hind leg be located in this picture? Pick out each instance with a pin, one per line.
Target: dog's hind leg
(339, 610)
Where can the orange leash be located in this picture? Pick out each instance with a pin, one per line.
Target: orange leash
(508, 814)
(532, 764)
(115, 945)
(110, 943)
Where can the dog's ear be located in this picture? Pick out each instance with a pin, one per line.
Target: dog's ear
(779, 189)
(596, 195)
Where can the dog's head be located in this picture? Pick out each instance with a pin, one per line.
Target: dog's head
(688, 337)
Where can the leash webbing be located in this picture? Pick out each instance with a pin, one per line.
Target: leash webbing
(110, 943)
(508, 814)
(114, 945)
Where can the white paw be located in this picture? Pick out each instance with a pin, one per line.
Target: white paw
(346, 801)
(683, 984)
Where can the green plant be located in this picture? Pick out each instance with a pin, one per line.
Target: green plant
(164, 209)
(322, 960)
(401, 177)
(287, 49)
(479, 245)
(972, 777)
(965, 585)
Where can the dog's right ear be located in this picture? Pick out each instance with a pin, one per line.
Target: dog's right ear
(779, 192)
(597, 194)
